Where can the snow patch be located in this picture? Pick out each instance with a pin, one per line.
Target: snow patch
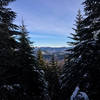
(77, 95)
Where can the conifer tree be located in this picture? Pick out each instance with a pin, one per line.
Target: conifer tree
(25, 49)
(53, 62)
(92, 20)
(77, 36)
(32, 77)
(7, 30)
(20, 77)
(92, 30)
(6, 14)
(8, 46)
(82, 68)
(53, 79)
(40, 59)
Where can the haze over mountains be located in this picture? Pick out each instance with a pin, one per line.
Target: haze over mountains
(47, 52)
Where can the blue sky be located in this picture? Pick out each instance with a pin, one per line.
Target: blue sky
(49, 22)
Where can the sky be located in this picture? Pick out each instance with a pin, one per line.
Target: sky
(49, 22)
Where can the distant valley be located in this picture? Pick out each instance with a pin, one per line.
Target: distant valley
(47, 52)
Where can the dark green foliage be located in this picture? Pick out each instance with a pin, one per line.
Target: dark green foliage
(77, 37)
(32, 78)
(7, 42)
(82, 68)
(52, 77)
(40, 59)
(7, 15)
(25, 53)
(20, 77)
(92, 20)
(8, 66)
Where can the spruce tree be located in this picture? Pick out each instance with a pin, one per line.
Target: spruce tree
(77, 36)
(82, 67)
(40, 59)
(8, 47)
(53, 62)
(53, 79)
(92, 20)
(8, 44)
(7, 31)
(20, 77)
(92, 30)
(25, 50)
(32, 78)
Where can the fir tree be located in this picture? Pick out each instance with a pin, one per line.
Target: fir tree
(82, 67)
(7, 31)
(8, 46)
(53, 79)
(77, 36)
(32, 77)
(92, 21)
(92, 30)
(20, 77)
(40, 59)
(25, 49)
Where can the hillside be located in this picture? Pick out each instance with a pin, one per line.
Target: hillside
(49, 51)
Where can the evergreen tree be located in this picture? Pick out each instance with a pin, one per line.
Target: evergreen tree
(92, 21)
(92, 30)
(53, 79)
(40, 59)
(82, 67)
(32, 77)
(6, 14)
(53, 61)
(8, 46)
(7, 31)
(25, 50)
(77, 36)
(20, 77)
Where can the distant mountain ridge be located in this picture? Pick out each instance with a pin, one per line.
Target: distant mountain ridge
(59, 52)
(53, 49)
